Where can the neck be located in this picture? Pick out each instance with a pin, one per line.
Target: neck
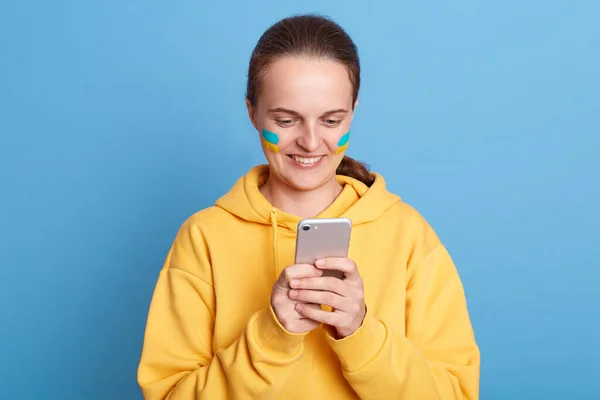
(305, 204)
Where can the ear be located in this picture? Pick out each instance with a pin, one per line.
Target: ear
(251, 113)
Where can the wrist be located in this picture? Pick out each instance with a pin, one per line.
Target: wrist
(341, 333)
(273, 338)
(363, 345)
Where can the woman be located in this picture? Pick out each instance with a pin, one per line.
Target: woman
(232, 317)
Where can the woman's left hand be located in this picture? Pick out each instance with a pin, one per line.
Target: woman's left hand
(346, 296)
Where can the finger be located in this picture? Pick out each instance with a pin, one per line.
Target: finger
(297, 271)
(317, 314)
(345, 265)
(310, 305)
(330, 299)
(330, 284)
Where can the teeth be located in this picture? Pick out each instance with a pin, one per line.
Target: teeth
(305, 160)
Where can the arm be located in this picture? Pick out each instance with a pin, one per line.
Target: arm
(436, 358)
(177, 359)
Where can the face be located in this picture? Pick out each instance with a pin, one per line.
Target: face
(303, 117)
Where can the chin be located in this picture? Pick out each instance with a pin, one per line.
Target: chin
(307, 180)
(306, 185)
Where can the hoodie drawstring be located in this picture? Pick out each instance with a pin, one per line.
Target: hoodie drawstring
(273, 217)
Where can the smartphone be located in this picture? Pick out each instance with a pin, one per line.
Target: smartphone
(321, 238)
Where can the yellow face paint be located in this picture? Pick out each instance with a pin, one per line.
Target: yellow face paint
(270, 140)
(343, 143)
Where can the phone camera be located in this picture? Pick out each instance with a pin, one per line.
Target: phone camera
(306, 227)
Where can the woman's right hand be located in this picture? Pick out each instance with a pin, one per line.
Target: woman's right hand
(284, 307)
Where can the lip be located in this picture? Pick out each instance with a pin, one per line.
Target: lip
(304, 166)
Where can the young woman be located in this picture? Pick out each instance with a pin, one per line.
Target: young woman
(232, 317)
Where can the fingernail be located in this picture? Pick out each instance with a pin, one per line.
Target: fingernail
(293, 293)
(298, 307)
(295, 283)
(319, 263)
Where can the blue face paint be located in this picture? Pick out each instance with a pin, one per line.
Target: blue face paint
(270, 140)
(343, 142)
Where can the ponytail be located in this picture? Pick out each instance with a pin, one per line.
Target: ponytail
(355, 169)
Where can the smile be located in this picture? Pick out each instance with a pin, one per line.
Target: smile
(306, 161)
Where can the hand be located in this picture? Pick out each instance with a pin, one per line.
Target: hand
(284, 306)
(346, 297)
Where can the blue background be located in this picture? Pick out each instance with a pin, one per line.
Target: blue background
(120, 119)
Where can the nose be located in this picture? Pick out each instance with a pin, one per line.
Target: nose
(309, 140)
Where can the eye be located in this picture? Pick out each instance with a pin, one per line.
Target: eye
(332, 122)
(285, 121)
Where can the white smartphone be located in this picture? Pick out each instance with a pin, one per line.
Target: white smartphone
(321, 238)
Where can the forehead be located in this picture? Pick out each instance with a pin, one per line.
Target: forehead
(306, 84)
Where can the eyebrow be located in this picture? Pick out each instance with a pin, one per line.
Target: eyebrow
(292, 112)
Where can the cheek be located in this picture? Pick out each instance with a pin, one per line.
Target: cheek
(342, 143)
(270, 140)
(274, 140)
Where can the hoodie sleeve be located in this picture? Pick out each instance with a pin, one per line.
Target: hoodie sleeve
(178, 360)
(436, 358)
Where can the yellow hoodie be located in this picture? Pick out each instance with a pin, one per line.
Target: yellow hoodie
(211, 333)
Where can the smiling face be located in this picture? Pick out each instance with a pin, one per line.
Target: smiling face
(303, 116)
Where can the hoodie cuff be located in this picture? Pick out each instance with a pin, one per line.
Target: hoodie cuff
(273, 338)
(357, 350)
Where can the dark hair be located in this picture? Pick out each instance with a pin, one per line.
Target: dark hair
(311, 36)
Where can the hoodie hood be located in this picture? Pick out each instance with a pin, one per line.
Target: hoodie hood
(357, 202)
